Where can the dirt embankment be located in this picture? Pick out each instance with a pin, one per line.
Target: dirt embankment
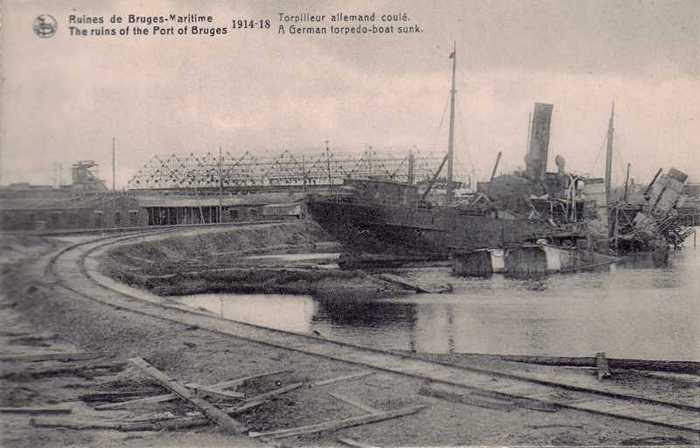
(16, 248)
(215, 260)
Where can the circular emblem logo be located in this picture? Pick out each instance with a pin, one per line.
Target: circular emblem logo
(45, 26)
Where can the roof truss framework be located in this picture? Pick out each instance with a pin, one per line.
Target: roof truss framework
(286, 169)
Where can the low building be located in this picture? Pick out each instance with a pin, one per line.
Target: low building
(58, 212)
(180, 208)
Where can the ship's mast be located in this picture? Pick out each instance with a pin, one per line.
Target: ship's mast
(609, 153)
(451, 143)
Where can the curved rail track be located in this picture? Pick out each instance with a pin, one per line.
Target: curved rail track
(75, 269)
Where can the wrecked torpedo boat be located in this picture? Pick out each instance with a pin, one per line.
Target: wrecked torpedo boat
(388, 217)
(528, 260)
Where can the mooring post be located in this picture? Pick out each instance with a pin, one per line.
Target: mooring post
(602, 365)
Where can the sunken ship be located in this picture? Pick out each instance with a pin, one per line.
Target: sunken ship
(385, 216)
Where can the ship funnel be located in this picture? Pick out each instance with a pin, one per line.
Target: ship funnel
(561, 164)
(538, 146)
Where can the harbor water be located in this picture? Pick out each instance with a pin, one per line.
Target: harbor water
(631, 310)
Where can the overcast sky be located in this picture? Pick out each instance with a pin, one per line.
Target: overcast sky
(63, 98)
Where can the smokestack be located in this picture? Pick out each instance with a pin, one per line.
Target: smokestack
(538, 148)
(411, 168)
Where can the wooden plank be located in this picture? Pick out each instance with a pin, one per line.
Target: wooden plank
(354, 443)
(154, 399)
(689, 367)
(209, 410)
(239, 381)
(274, 393)
(112, 397)
(491, 403)
(147, 400)
(174, 423)
(36, 336)
(214, 392)
(353, 376)
(34, 410)
(169, 397)
(536, 405)
(12, 334)
(233, 410)
(53, 357)
(244, 407)
(92, 369)
(335, 425)
(356, 404)
(498, 400)
(398, 280)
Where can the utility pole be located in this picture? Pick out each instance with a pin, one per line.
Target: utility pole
(627, 181)
(221, 186)
(493, 172)
(411, 168)
(303, 172)
(114, 164)
(495, 166)
(369, 159)
(529, 132)
(328, 163)
(450, 146)
(609, 154)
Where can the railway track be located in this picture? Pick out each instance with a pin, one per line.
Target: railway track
(75, 269)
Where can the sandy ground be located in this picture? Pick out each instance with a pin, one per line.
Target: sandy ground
(68, 322)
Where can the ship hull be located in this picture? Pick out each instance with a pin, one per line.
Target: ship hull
(418, 230)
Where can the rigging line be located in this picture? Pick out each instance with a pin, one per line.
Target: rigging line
(461, 85)
(621, 164)
(436, 136)
(600, 151)
(444, 110)
(466, 146)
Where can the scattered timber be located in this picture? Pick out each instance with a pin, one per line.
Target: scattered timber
(172, 396)
(89, 370)
(239, 381)
(691, 367)
(487, 401)
(469, 400)
(274, 393)
(214, 392)
(21, 337)
(108, 396)
(35, 410)
(138, 401)
(233, 410)
(401, 281)
(175, 423)
(335, 425)
(12, 334)
(212, 412)
(354, 376)
(687, 367)
(195, 420)
(60, 357)
(354, 443)
(355, 403)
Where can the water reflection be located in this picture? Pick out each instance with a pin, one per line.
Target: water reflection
(633, 310)
(283, 312)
